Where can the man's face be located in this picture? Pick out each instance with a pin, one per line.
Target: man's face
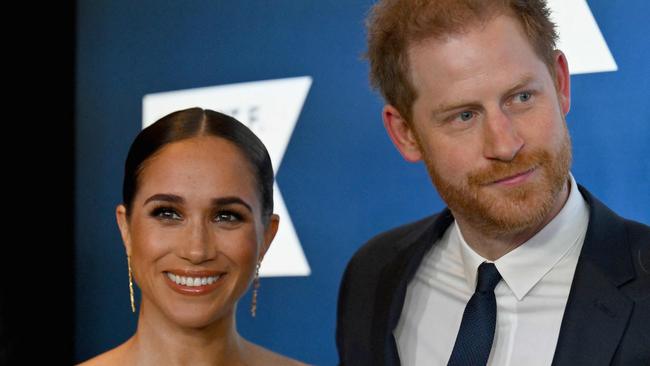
(489, 124)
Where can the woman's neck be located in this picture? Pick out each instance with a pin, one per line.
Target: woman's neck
(158, 341)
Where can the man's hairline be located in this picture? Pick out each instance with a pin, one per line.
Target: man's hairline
(477, 21)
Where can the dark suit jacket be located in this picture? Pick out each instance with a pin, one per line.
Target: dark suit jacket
(606, 320)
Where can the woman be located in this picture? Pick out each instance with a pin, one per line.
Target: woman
(196, 221)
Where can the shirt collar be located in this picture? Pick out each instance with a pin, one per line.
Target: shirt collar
(523, 267)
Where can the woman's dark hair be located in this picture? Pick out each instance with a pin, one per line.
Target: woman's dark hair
(193, 122)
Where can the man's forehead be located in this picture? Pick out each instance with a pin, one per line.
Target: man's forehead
(501, 37)
(464, 23)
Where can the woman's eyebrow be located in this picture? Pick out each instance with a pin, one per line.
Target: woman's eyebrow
(165, 197)
(222, 201)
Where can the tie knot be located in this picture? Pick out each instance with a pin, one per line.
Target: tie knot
(488, 277)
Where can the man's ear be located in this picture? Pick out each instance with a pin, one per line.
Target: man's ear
(269, 233)
(123, 224)
(401, 133)
(563, 81)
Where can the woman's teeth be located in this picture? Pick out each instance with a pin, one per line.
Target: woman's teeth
(192, 281)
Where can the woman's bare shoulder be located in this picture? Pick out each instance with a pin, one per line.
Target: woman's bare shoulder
(115, 356)
(263, 356)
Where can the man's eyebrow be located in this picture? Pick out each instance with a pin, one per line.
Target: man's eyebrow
(166, 197)
(223, 201)
(524, 81)
(446, 107)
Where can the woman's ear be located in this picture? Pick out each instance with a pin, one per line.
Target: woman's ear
(269, 233)
(123, 224)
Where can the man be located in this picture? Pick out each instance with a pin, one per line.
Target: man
(525, 267)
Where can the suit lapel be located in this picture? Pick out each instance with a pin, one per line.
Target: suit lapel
(394, 280)
(594, 320)
(597, 313)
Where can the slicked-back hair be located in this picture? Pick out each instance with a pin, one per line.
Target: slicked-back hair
(194, 122)
(394, 25)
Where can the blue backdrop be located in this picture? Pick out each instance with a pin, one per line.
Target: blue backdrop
(341, 178)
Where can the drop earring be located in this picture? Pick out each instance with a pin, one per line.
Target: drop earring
(256, 286)
(128, 260)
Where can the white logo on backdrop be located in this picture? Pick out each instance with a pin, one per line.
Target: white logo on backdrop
(269, 108)
(580, 37)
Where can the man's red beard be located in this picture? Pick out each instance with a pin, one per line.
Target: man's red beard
(509, 210)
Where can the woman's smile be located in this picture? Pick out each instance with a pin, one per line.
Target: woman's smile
(199, 283)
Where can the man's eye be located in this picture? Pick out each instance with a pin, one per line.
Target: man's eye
(524, 97)
(466, 116)
(166, 213)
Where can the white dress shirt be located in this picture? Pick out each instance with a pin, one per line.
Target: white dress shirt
(536, 279)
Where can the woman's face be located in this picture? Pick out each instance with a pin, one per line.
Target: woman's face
(195, 232)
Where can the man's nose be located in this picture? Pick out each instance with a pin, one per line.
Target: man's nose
(501, 139)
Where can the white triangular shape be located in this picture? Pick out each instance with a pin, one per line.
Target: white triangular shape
(271, 109)
(580, 37)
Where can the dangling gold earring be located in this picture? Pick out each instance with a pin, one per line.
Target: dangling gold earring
(128, 260)
(256, 286)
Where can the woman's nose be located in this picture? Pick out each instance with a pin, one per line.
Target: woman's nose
(198, 246)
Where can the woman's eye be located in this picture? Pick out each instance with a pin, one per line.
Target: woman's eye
(166, 213)
(228, 217)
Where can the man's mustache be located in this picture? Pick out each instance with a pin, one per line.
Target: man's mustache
(499, 170)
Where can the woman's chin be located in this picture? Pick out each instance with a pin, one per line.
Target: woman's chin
(197, 317)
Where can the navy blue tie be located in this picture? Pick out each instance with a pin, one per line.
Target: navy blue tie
(474, 339)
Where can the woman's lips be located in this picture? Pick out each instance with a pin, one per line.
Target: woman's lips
(194, 283)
